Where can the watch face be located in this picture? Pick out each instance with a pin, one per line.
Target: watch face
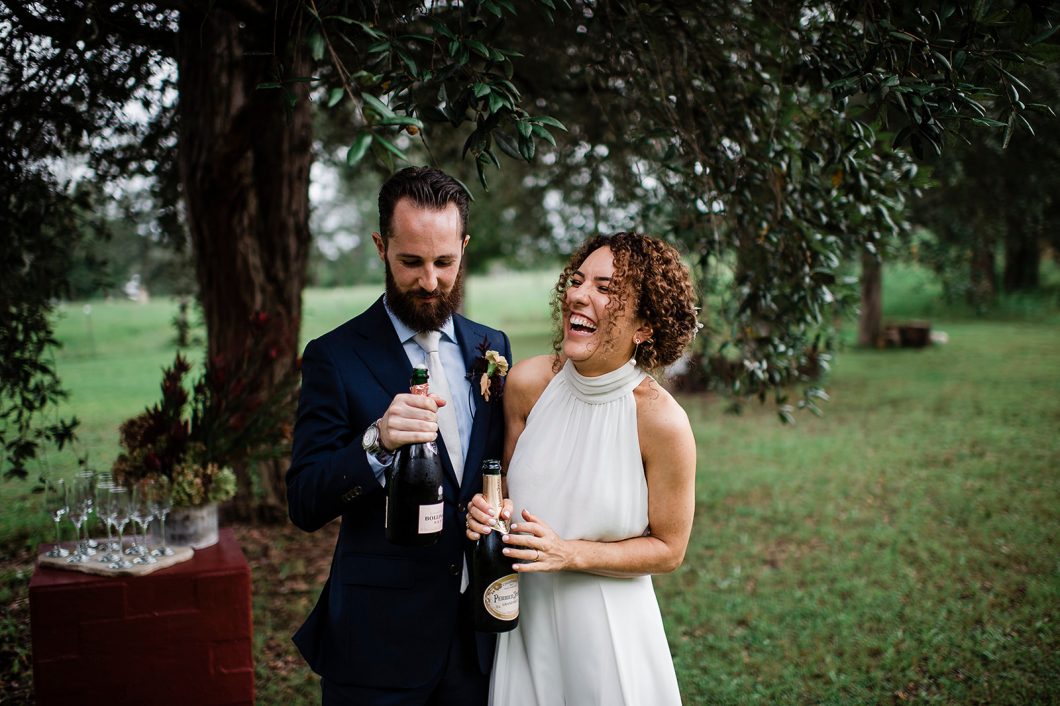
(370, 436)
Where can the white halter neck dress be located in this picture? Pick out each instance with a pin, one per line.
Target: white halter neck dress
(582, 639)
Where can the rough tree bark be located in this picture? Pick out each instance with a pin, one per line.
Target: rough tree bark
(245, 172)
(870, 318)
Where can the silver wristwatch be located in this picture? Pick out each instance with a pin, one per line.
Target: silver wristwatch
(372, 443)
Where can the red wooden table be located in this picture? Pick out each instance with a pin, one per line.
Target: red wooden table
(181, 635)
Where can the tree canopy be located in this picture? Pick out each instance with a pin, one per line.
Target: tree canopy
(778, 142)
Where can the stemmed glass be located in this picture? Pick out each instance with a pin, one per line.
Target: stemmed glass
(104, 506)
(161, 504)
(58, 504)
(141, 513)
(79, 509)
(118, 511)
(86, 482)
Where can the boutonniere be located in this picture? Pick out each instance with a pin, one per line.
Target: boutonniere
(490, 369)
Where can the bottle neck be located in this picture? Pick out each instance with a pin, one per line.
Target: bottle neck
(492, 489)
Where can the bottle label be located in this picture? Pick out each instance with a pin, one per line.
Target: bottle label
(431, 518)
(501, 598)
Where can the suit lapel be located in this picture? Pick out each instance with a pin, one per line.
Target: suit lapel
(383, 355)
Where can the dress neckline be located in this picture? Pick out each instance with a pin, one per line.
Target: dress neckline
(603, 388)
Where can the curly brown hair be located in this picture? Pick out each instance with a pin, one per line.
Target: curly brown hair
(662, 295)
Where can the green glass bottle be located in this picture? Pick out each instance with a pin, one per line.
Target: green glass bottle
(494, 583)
(414, 506)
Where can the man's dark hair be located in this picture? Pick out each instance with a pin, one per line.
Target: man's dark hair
(427, 187)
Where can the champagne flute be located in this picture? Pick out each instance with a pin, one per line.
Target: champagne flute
(57, 501)
(85, 484)
(103, 511)
(142, 515)
(161, 504)
(77, 514)
(119, 510)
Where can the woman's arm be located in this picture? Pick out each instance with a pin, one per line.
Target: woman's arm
(668, 450)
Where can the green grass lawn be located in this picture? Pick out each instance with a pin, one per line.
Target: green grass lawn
(901, 548)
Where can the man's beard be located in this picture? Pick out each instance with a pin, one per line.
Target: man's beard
(415, 311)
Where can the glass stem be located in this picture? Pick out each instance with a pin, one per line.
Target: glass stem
(58, 534)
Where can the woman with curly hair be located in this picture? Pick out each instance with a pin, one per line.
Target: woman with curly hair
(601, 471)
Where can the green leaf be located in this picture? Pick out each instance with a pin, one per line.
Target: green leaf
(480, 168)
(546, 120)
(943, 60)
(391, 147)
(335, 96)
(1025, 123)
(507, 144)
(268, 85)
(408, 61)
(377, 106)
(496, 102)
(316, 46)
(441, 29)
(480, 89)
(544, 134)
(379, 47)
(400, 120)
(1008, 129)
(526, 148)
(479, 48)
(358, 149)
(524, 128)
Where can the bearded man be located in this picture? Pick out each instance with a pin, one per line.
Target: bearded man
(393, 624)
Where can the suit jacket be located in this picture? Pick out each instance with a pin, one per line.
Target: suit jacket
(387, 614)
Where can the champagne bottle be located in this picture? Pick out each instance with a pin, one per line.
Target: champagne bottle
(494, 583)
(414, 507)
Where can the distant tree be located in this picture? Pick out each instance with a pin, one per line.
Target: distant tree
(995, 199)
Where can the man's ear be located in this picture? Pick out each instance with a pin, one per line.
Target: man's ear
(380, 246)
(466, 239)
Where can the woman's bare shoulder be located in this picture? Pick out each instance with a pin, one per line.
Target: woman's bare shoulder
(659, 414)
(532, 374)
(527, 380)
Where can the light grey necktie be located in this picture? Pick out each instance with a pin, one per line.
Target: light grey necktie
(447, 425)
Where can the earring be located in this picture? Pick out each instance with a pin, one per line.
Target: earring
(636, 349)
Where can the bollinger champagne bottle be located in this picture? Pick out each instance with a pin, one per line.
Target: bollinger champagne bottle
(494, 583)
(414, 506)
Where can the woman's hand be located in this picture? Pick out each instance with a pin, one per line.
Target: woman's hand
(481, 518)
(538, 546)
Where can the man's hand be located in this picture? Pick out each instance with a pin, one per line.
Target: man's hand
(410, 419)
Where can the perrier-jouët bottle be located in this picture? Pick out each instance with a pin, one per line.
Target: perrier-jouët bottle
(414, 507)
(494, 583)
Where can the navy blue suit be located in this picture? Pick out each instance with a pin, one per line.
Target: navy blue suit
(387, 614)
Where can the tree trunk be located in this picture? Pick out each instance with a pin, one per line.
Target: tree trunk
(983, 275)
(244, 164)
(870, 319)
(1022, 257)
